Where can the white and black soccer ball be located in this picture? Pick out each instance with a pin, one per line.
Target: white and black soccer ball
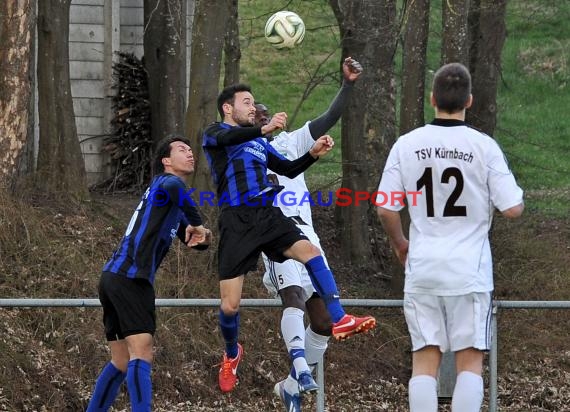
(285, 29)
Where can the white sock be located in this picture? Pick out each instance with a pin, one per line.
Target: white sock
(291, 385)
(293, 330)
(422, 394)
(315, 346)
(468, 393)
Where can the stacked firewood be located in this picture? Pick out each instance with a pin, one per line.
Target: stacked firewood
(130, 145)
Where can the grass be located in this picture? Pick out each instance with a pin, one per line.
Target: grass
(531, 125)
(50, 249)
(532, 98)
(280, 77)
(300, 81)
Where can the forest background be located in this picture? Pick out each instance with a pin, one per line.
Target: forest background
(53, 243)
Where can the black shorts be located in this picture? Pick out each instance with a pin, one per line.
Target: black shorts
(246, 231)
(128, 306)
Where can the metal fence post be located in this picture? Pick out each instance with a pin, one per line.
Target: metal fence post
(493, 362)
(321, 383)
(446, 377)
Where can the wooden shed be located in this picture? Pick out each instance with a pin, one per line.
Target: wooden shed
(98, 29)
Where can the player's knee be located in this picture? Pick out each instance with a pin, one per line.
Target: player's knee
(147, 356)
(140, 347)
(321, 323)
(322, 327)
(229, 307)
(313, 250)
(320, 318)
(120, 362)
(316, 250)
(292, 297)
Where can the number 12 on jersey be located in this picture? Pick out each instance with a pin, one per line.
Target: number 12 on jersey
(450, 209)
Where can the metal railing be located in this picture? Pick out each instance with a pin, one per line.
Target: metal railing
(375, 303)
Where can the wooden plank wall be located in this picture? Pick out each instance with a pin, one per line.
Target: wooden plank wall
(97, 29)
(87, 71)
(132, 19)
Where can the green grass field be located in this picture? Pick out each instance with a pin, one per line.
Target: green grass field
(299, 81)
(533, 97)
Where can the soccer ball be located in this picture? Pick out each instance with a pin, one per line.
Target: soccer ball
(284, 29)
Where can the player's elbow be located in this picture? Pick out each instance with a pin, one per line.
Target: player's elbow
(383, 213)
(513, 212)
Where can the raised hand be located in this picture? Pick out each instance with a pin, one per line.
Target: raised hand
(278, 121)
(322, 146)
(351, 69)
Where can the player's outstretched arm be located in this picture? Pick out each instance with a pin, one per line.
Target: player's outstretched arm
(214, 135)
(277, 163)
(351, 70)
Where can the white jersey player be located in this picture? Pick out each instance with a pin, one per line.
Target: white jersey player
(462, 177)
(290, 200)
(289, 279)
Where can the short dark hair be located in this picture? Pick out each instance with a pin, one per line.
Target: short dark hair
(261, 106)
(228, 95)
(451, 87)
(163, 150)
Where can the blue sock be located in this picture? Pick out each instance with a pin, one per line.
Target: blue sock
(106, 389)
(229, 325)
(325, 285)
(140, 385)
(293, 373)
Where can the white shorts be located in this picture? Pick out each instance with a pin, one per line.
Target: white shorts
(451, 322)
(291, 273)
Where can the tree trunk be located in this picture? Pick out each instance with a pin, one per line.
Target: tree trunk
(28, 161)
(165, 62)
(207, 46)
(382, 111)
(414, 61)
(16, 32)
(232, 49)
(454, 37)
(487, 64)
(412, 99)
(60, 164)
(473, 38)
(381, 92)
(368, 128)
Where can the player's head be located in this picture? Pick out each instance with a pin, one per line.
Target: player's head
(174, 155)
(235, 105)
(262, 116)
(451, 89)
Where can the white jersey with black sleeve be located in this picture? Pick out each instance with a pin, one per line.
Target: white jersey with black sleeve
(462, 175)
(293, 200)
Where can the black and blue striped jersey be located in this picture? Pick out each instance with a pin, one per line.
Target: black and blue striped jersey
(164, 212)
(239, 158)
